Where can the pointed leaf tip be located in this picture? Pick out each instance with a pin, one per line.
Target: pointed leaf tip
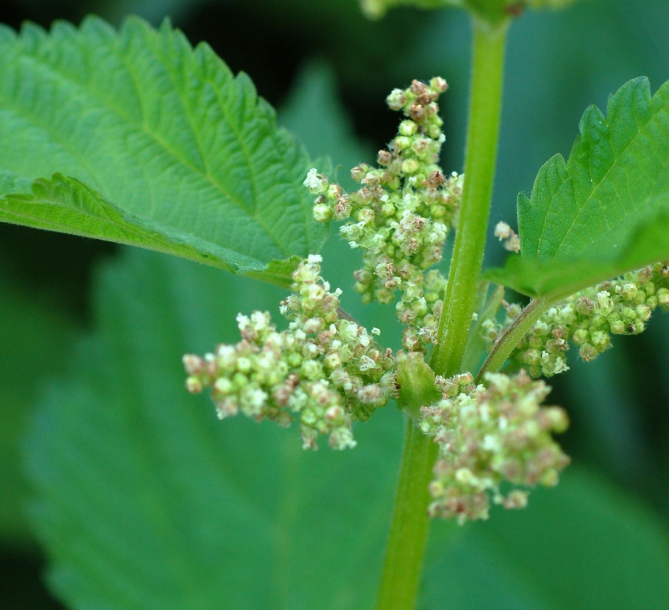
(603, 211)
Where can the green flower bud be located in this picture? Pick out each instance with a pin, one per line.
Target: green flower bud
(408, 128)
(618, 327)
(396, 100)
(224, 386)
(663, 297)
(410, 166)
(194, 385)
(322, 213)
(643, 312)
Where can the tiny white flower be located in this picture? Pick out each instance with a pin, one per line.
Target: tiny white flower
(366, 363)
(315, 182)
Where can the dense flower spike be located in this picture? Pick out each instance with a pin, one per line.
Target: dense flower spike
(488, 436)
(618, 307)
(401, 215)
(324, 371)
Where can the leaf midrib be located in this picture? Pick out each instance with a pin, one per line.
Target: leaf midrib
(104, 103)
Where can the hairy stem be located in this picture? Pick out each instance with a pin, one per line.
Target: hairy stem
(482, 136)
(512, 336)
(410, 526)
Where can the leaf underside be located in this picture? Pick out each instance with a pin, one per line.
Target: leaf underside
(134, 136)
(605, 210)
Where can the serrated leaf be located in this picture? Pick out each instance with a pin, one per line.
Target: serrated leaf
(164, 133)
(146, 500)
(66, 205)
(606, 209)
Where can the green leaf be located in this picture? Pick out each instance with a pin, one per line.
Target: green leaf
(314, 112)
(36, 333)
(606, 209)
(146, 500)
(143, 130)
(580, 546)
(66, 205)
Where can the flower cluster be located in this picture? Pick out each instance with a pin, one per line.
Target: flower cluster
(375, 9)
(400, 217)
(487, 436)
(510, 240)
(588, 318)
(324, 371)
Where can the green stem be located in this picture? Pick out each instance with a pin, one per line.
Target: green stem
(512, 336)
(410, 525)
(483, 131)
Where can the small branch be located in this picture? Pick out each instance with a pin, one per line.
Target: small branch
(512, 336)
(347, 316)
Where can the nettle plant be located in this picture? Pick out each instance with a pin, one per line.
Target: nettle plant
(206, 175)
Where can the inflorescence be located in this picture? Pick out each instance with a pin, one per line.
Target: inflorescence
(588, 318)
(324, 371)
(401, 215)
(487, 436)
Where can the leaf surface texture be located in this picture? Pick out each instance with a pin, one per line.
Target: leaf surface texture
(157, 134)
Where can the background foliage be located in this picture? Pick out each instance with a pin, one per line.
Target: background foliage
(610, 517)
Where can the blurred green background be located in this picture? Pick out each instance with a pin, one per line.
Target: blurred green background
(558, 63)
